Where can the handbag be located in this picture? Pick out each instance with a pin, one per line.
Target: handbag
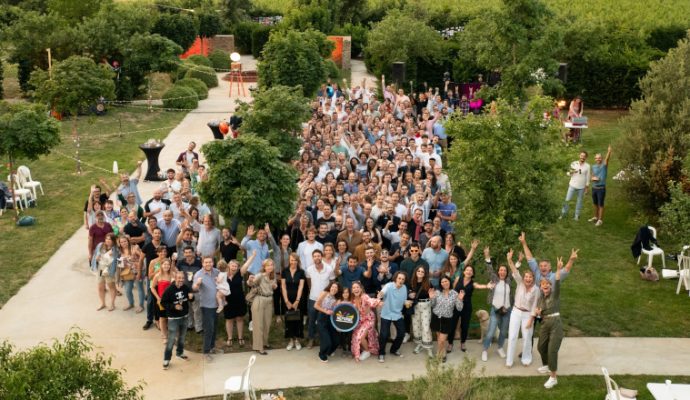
(293, 315)
(410, 310)
(251, 295)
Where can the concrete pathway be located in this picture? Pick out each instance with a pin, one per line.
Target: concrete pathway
(39, 313)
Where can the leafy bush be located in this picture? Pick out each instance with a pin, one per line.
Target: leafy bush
(220, 60)
(180, 97)
(180, 28)
(675, 215)
(196, 84)
(504, 166)
(243, 36)
(332, 70)
(181, 71)
(64, 370)
(199, 59)
(1, 79)
(205, 74)
(657, 138)
(309, 16)
(294, 58)
(448, 381)
(259, 39)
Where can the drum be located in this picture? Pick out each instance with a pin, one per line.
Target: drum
(345, 317)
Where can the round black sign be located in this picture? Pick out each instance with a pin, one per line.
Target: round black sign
(345, 317)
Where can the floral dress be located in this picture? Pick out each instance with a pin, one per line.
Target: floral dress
(367, 321)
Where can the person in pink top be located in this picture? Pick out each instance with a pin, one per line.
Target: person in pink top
(365, 341)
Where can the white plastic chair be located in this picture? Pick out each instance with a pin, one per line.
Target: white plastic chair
(26, 180)
(20, 194)
(684, 270)
(654, 251)
(613, 392)
(241, 383)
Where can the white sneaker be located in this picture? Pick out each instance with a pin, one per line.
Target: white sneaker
(417, 348)
(509, 365)
(599, 222)
(501, 353)
(544, 369)
(551, 382)
(576, 218)
(485, 356)
(364, 355)
(251, 326)
(592, 219)
(298, 345)
(290, 346)
(406, 338)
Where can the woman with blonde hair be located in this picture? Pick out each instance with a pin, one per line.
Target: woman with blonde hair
(523, 314)
(104, 262)
(262, 305)
(130, 263)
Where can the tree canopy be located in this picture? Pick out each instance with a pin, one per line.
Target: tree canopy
(180, 28)
(249, 182)
(293, 58)
(277, 114)
(657, 139)
(502, 169)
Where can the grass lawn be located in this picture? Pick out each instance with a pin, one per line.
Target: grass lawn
(569, 388)
(59, 212)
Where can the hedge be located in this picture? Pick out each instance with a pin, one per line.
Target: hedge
(205, 74)
(259, 38)
(196, 84)
(220, 60)
(243, 36)
(1, 79)
(198, 59)
(180, 97)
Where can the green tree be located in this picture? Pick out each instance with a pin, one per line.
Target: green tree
(2, 78)
(675, 214)
(391, 40)
(144, 54)
(76, 11)
(277, 114)
(311, 15)
(180, 28)
(657, 137)
(63, 370)
(236, 10)
(210, 24)
(516, 40)
(75, 85)
(294, 58)
(503, 167)
(249, 182)
(26, 131)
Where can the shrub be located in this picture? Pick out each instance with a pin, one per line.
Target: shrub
(181, 71)
(180, 28)
(205, 74)
(259, 38)
(181, 97)
(1, 79)
(198, 59)
(675, 215)
(63, 370)
(447, 381)
(243, 36)
(220, 60)
(196, 84)
(332, 70)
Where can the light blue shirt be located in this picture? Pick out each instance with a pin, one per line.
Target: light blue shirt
(600, 172)
(551, 276)
(207, 290)
(436, 261)
(393, 301)
(447, 210)
(261, 253)
(131, 188)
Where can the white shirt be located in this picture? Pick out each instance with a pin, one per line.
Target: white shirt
(305, 249)
(580, 178)
(319, 280)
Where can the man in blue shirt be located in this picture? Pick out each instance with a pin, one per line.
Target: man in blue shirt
(542, 270)
(394, 296)
(259, 245)
(599, 170)
(447, 211)
(436, 257)
(205, 286)
(350, 273)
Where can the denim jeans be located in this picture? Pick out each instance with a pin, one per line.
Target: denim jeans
(496, 320)
(129, 287)
(313, 321)
(208, 321)
(177, 329)
(578, 205)
(386, 332)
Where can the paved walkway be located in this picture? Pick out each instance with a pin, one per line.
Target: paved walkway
(39, 313)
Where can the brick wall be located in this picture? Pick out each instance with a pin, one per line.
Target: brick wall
(223, 42)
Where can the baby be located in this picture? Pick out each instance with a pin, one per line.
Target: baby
(222, 287)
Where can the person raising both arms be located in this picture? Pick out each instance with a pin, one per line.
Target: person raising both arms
(551, 333)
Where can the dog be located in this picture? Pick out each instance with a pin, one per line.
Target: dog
(483, 317)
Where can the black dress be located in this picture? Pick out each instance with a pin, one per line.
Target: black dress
(293, 329)
(237, 306)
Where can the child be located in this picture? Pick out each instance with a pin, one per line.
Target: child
(222, 287)
(346, 337)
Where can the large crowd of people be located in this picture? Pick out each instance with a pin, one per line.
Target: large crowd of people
(373, 226)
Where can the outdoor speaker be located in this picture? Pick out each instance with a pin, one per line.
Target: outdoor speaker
(398, 73)
(563, 72)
